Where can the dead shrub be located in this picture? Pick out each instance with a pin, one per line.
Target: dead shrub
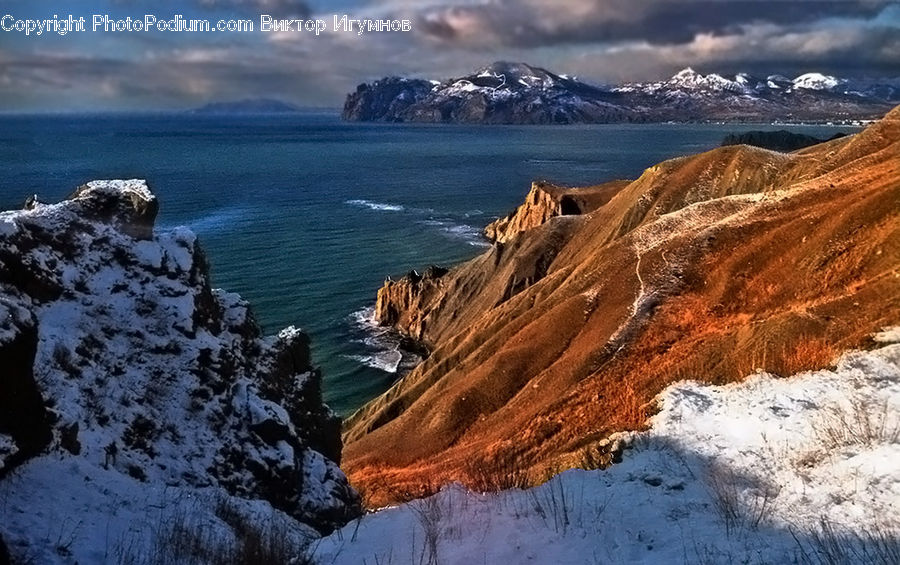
(742, 502)
(859, 423)
(825, 544)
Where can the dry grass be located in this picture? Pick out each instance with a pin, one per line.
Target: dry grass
(429, 513)
(184, 539)
(743, 503)
(505, 473)
(859, 423)
(825, 544)
(806, 355)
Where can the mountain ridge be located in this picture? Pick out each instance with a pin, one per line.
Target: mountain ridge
(517, 93)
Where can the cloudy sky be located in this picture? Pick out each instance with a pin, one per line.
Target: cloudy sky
(602, 41)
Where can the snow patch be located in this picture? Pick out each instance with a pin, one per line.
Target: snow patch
(816, 81)
(738, 473)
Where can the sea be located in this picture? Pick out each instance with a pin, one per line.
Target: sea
(305, 215)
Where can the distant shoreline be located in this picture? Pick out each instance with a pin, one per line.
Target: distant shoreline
(336, 112)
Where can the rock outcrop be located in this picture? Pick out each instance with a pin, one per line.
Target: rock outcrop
(25, 424)
(516, 93)
(404, 303)
(706, 267)
(546, 201)
(119, 355)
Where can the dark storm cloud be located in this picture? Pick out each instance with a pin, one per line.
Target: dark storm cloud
(601, 41)
(862, 49)
(537, 23)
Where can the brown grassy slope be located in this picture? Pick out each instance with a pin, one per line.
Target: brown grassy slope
(706, 267)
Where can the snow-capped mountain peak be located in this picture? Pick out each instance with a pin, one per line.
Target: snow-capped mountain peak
(507, 92)
(687, 73)
(817, 81)
(513, 75)
(689, 79)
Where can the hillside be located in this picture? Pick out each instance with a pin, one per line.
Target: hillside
(769, 470)
(706, 267)
(517, 93)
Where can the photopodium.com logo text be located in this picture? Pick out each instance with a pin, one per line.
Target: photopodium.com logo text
(178, 23)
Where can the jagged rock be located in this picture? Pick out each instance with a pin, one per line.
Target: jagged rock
(546, 201)
(148, 370)
(412, 293)
(127, 204)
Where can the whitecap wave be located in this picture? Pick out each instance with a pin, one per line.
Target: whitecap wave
(379, 206)
(380, 345)
(388, 361)
(545, 161)
(217, 221)
(453, 230)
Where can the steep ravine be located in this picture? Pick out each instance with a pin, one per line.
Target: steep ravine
(708, 266)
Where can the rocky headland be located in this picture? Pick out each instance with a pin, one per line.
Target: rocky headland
(591, 302)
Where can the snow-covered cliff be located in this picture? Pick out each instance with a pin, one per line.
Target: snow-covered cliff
(126, 374)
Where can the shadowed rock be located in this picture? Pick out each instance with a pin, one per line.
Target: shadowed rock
(781, 140)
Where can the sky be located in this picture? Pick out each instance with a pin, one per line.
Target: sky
(599, 41)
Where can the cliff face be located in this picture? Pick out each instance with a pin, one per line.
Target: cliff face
(546, 201)
(404, 304)
(384, 99)
(706, 267)
(120, 359)
(427, 307)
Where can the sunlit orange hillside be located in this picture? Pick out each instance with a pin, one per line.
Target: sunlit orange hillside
(590, 302)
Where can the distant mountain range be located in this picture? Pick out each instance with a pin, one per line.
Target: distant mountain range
(249, 106)
(517, 93)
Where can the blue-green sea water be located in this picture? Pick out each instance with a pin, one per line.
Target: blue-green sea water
(305, 216)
